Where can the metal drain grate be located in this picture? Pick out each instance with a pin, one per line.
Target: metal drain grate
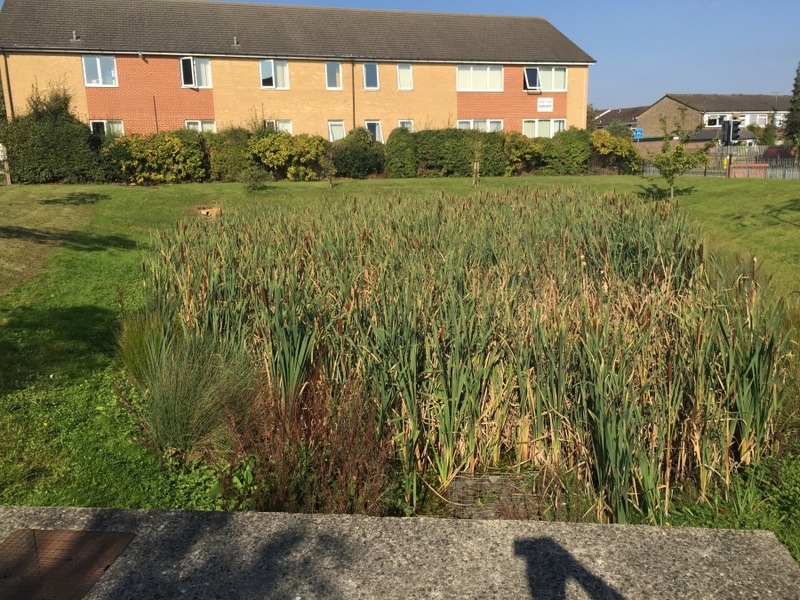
(56, 564)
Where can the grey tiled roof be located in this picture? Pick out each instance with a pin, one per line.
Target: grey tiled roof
(208, 28)
(733, 102)
(626, 115)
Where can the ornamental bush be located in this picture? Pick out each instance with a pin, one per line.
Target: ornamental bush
(357, 155)
(566, 153)
(401, 157)
(229, 153)
(296, 158)
(49, 144)
(167, 157)
(613, 152)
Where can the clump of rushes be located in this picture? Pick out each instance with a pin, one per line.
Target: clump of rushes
(536, 329)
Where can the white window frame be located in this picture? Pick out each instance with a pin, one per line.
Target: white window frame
(410, 125)
(716, 117)
(330, 129)
(105, 123)
(279, 125)
(96, 58)
(552, 128)
(340, 78)
(400, 87)
(472, 70)
(526, 84)
(200, 125)
(471, 124)
(193, 60)
(552, 69)
(377, 77)
(272, 63)
(378, 131)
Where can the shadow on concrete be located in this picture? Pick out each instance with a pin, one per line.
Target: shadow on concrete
(782, 212)
(76, 199)
(656, 192)
(550, 567)
(74, 240)
(189, 555)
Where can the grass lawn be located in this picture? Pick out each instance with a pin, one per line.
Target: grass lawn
(70, 258)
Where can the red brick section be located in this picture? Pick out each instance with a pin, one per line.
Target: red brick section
(512, 105)
(150, 97)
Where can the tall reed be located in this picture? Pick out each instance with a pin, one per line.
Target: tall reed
(526, 329)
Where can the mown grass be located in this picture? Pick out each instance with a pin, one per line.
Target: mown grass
(75, 254)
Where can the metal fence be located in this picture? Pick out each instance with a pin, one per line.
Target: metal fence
(762, 162)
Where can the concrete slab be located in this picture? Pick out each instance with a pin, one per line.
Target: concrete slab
(235, 556)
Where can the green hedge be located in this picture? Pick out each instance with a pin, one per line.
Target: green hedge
(357, 155)
(229, 154)
(168, 157)
(49, 144)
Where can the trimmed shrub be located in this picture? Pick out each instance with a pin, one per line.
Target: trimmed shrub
(229, 153)
(255, 178)
(612, 152)
(519, 155)
(443, 153)
(566, 153)
(49, 144)
(297, 158)
(491, 155)
(357, 155)
(168, 157)
(401, 157)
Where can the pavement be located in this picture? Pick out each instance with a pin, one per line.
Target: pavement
(232, 556)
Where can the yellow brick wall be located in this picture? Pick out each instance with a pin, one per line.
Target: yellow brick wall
(44, 71)
(577, 96)
(238, 97)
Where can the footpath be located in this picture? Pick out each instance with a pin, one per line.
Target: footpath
(115, 554)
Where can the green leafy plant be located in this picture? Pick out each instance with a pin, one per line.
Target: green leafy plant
(357, 155)
(675, 158)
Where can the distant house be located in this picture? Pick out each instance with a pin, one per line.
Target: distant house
(629, 116)
(711, 109)
(140, 66)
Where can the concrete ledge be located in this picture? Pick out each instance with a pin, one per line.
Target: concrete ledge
(231, 556)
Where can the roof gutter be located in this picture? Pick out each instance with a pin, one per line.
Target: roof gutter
(294, 56)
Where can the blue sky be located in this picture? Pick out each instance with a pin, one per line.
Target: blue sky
(645, 49)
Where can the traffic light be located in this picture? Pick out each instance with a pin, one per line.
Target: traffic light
(734, 133)
(726, 132)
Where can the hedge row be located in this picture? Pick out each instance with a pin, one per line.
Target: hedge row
(49, 144)
(454, 152)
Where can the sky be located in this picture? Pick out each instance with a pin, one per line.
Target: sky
(645, 49)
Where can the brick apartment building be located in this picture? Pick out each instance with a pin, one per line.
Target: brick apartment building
(141, 66)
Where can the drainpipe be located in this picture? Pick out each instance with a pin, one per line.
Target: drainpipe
(353, 88)
(7, 85)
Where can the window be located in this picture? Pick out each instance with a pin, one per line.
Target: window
(406, 124)
(481, 124)
(100, 71)
(336, 130)
(278, 125)
(405, 79)
(195, 72)
(543, 127)
(274, 74)
(479, 78)
(333, 76)
(714, 120)
(108, 128)
(371, 76)
(202, 126)
(545, 79)
(374, 128)
(760, 120)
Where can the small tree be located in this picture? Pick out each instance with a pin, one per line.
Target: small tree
(618, 129)
(675, 160)
(591, 118)
(791, 127)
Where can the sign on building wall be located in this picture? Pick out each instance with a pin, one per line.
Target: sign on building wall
(545, 105)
